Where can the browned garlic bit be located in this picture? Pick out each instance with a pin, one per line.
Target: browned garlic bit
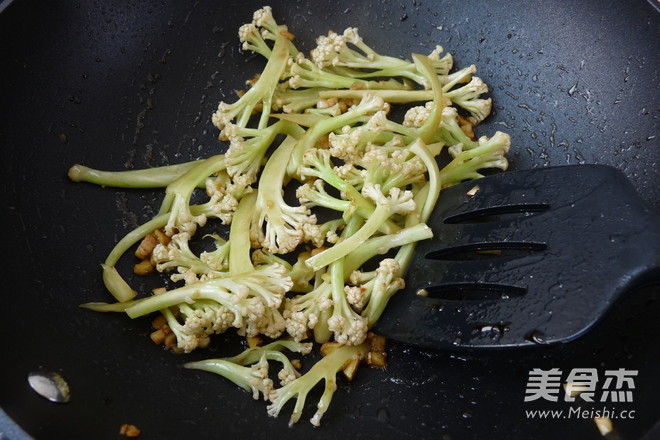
(466, 126)
(162, 237)
(329, 347)
(350, 368)
(377, 355)
(158, 336)
(171, 343)
(163, 334)
(127, 430)
(144, 267)
(146, 246)
(158, 322)
(144, 251)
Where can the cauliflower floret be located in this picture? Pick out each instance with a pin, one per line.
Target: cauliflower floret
(286, 376)
(298, 323)
(263, 17)
(355, 296)
(351, 331)
(327, 47)
(416, 116)
(400, 201)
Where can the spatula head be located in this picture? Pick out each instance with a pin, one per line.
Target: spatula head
(524, 258)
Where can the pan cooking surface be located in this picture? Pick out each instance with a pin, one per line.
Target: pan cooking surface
(131, 85)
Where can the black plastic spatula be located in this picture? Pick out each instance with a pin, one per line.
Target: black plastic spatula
(523, 258)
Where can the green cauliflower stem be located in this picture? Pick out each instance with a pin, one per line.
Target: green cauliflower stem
(248, 146)
(286, 227)
(467, 163)
(256, 35)
(397, 202)
(318, 163)
(250, 369)
(260, 93)
(253, 379)
(179, 192)
(157, 177)
(325, 369)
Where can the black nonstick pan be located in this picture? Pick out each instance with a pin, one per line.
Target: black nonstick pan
(131, 84)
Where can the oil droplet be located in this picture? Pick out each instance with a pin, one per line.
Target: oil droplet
(492, 331)
(50, 385)
(536, 337)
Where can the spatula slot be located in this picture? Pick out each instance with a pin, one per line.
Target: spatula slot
(473, 292)
(485, 251)
(497, 213)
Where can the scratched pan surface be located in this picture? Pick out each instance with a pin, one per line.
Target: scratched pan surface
(119, 85)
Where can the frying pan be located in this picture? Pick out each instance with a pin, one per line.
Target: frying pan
(117, 85)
